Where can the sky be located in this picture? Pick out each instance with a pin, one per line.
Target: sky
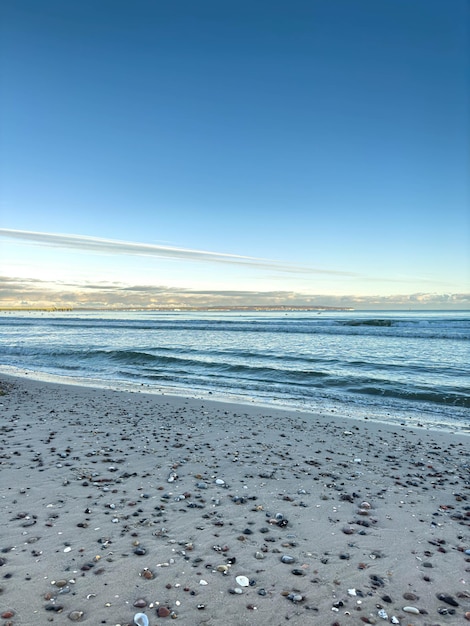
(208, 153)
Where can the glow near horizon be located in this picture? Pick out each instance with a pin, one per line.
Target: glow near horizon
(319, 163)
(85, 288)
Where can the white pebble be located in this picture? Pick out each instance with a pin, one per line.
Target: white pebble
(243, 581)
(411, 609)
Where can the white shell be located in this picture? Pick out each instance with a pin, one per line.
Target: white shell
(243, 581)
(141, 619)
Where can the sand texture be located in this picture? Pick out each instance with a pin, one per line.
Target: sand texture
(117, 503)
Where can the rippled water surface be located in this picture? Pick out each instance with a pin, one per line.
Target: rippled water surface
(411, 366)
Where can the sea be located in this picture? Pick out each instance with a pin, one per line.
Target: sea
(411, 368)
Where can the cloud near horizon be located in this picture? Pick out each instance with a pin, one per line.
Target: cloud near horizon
(35, 293)
(99, 245)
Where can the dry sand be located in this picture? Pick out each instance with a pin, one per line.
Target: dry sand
(114, 503)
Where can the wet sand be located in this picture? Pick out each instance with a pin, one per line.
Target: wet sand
(115, 503)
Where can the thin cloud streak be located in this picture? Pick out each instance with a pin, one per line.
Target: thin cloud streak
(112, 246)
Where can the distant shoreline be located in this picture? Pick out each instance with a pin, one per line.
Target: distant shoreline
(53, 309)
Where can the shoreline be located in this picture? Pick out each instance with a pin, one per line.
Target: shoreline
(116, 502)
(415, 418)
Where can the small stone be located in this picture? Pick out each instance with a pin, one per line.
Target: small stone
(57, 608)
(243, 581)
(295, 597)
(76, 616)
(8, 614)
(444, 597)
(287, 558)
(140, 551)
(411, 609)
(140, 603)
(163, 611)
(410, 596)
(298, 572)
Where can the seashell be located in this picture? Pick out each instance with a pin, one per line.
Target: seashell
(141, 619)
(243, 581)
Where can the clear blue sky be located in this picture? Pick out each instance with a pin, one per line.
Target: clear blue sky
(326, 140)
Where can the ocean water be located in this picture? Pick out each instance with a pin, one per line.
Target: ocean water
(409, 367)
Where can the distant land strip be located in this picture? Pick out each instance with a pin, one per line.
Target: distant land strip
(53, 309)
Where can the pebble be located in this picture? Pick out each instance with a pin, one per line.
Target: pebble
(411, 609)
(295, 597)
(298, 572)
(76, 616)
(243, 581)
(163, 611)
(444, 597)
(286, 558)
(410, 596)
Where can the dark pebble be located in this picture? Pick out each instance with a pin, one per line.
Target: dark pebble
(410, 596)
(57, 608)
(444, 597)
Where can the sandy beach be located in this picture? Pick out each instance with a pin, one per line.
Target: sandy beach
(117, 503)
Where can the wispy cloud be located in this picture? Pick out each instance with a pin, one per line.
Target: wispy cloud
(117, 247)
